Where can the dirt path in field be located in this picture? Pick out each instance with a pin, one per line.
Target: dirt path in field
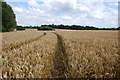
(60, 60)
(22, 43)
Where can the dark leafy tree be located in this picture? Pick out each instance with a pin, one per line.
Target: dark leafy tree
(8, 18)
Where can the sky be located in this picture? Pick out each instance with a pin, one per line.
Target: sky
(98, 13)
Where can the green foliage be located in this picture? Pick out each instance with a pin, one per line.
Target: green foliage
(118, 28)
(8, 18)
(20, 28)
(78, 27)
(45, 28)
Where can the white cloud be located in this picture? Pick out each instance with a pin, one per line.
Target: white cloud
(33, 3)
(17, 9)
(64, 0)
(116, 4)
(65, 6)
(67, 17)
(66, 12)
(84, 8)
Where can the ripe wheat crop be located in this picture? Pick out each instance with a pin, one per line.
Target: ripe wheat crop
(33, 60)
(91, 54)
(60, 53)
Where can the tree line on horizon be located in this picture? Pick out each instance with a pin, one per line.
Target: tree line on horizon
(72, 27)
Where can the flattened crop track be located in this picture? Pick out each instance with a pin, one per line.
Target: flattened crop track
(60, 60)
(22, 43)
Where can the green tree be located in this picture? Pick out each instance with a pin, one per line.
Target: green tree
(8, 18)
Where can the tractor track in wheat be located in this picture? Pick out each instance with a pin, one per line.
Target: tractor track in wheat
(60, 60)
(22, 43)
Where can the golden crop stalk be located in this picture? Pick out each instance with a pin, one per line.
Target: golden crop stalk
(61, 53)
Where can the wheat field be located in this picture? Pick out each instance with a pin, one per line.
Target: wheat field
(60, 54)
